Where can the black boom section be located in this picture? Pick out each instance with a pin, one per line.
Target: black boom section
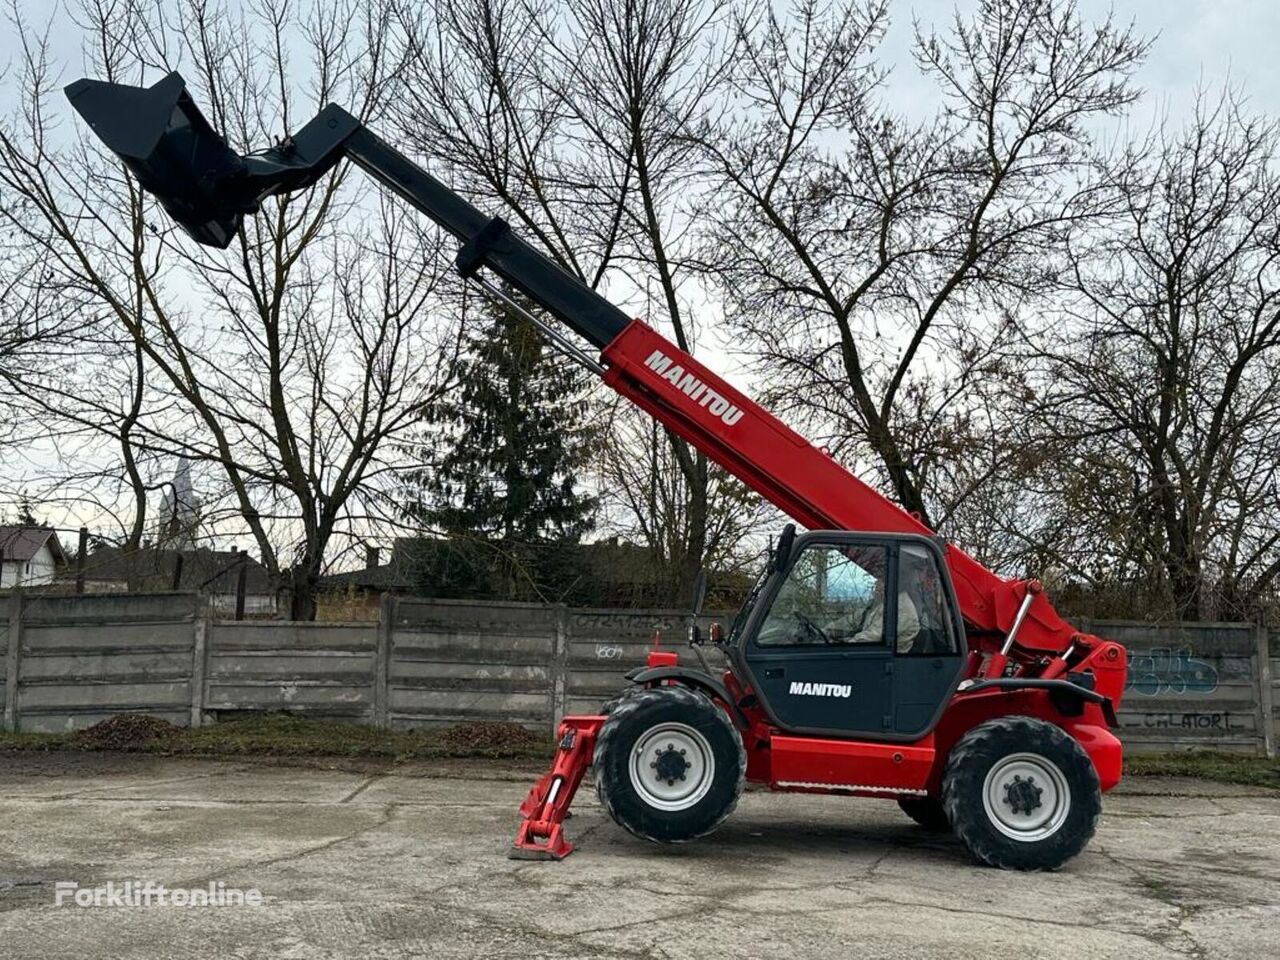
(207, 187)
(488, 242)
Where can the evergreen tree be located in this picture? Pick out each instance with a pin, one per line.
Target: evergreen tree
(506, 492)
(26, 515)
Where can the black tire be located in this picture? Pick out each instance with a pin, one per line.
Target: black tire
(682, 726)
(926, 811)
(1018, 822)
(610, 705)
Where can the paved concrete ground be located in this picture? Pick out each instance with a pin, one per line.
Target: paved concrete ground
(371, 863)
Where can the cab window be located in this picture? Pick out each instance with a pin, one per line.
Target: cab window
(920, 584)
(832, 595)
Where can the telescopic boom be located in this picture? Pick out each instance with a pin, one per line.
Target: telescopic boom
(207, 187)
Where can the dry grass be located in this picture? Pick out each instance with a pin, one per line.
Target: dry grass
(1206, 765)
(285, 735)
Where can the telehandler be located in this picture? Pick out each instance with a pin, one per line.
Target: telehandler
(871, 658)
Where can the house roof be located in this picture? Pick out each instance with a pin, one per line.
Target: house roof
(21, 543)
(152, 568)
(394, 575)
(388, 576)
(612, 561)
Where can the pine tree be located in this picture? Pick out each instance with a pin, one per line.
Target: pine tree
(506, 491)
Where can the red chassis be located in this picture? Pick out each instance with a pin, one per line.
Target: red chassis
(801, 764)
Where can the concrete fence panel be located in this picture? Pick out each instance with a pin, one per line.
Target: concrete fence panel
(1190, 685)
(5, 667)
(604, 644)
(453, 661)
(1269, 693)
(68, 661)
(324, 670)
(84, 658)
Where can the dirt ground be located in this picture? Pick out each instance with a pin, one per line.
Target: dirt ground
(365, 859)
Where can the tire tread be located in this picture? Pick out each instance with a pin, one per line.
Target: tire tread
(965, 765)
(628, 704)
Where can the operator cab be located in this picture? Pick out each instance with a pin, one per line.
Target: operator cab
(852, 635)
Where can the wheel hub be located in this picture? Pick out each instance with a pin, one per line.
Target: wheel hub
(1022, 796)
(669, 764)
(1026, 797)
(672, 766)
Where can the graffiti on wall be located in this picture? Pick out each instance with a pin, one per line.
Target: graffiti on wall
(1168, 671)
(1189, 721)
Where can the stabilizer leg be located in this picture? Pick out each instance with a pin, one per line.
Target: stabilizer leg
(542, 814)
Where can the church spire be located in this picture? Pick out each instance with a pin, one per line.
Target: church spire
(178, 523)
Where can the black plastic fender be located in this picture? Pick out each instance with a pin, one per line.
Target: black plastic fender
(698, 679)
(1067, 696)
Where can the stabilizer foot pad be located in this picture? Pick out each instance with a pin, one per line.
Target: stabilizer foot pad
(528, 853)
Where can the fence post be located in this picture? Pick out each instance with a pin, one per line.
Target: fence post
(560, 668)
(382, 662)
(240, 585)
(1266, 694)
(81, 551)
(199, 662)
(13, 660)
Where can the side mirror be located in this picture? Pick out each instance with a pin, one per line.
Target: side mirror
(716, 633)
(699, 592)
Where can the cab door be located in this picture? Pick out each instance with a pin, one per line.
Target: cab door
(820, 656)
(929, 653)
(858, 635)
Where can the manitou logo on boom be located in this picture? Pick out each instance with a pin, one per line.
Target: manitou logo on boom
(799, 689)
(694, 388)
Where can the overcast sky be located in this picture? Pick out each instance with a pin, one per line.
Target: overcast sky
(1198, 40)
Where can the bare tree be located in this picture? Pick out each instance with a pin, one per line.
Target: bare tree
(574, 119)
(75, 392)
(879, 262)
(644, 497)
(288, 362)
(68, 386)
(1165, 375)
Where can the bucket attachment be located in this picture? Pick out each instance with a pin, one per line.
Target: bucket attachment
(543, 812)
(166, 142)
(207, 187)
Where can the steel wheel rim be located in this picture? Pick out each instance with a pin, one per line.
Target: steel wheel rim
(654, 761)
(1004, 792)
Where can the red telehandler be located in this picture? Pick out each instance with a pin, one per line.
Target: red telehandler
(870, 658)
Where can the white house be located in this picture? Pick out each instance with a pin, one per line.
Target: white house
(29, 556)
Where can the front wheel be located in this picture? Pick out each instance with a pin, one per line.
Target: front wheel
(1021, 794)
(669, 764)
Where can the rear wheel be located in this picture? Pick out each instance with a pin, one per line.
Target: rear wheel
(926, 811)
(1021, 794)
(669, 764)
